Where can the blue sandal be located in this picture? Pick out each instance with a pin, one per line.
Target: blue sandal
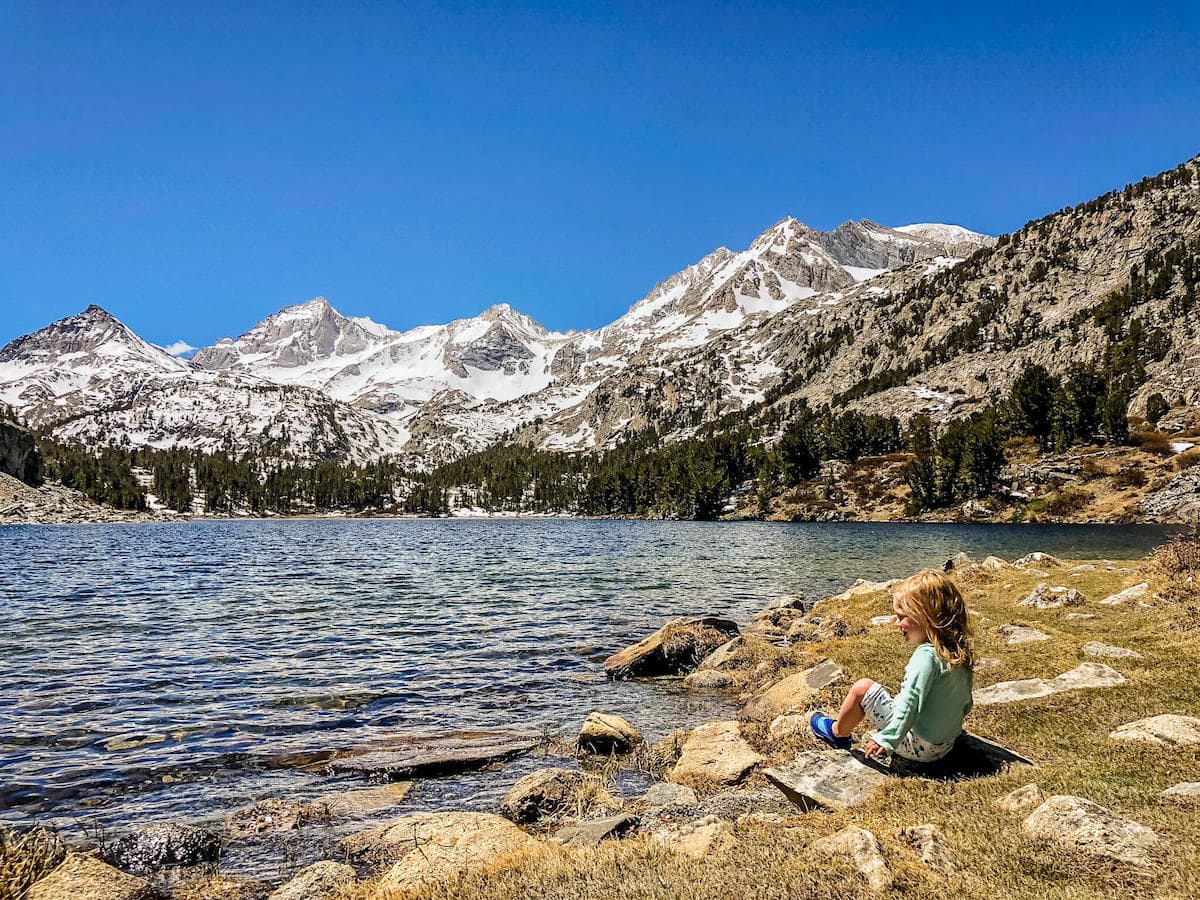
(822, 727)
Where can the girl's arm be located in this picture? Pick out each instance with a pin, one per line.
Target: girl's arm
(918, 675)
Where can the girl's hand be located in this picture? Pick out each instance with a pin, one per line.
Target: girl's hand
(872, 749)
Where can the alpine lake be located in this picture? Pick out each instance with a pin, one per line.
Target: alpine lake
(174, 672)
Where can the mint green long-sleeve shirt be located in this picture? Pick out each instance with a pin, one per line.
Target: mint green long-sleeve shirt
(933, 700)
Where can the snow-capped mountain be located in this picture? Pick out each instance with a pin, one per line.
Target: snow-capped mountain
(319, 383)
(89, 377)
(498, 355)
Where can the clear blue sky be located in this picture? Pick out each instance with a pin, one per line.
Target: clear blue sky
(193, 167)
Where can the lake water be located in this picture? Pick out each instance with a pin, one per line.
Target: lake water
(152, 672)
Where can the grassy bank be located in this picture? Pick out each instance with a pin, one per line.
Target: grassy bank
(1067, 734)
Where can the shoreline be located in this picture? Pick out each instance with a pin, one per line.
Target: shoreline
(784, 642)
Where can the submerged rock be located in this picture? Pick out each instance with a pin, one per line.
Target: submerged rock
(163, 846)
(81, 877)
(674, 649)
(546, 792)
(412, 756)
(1087, 827)
(606, 734)
(715, 752)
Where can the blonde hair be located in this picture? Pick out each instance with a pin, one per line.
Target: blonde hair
(932, 600)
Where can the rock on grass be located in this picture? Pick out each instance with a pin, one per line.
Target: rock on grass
(606, 734)
(862, 848)
(1078, 824)
(1165, 730)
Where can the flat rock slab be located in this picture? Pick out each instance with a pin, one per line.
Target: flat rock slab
(367, 800)
(697, 840)
(666, 793)
(928, 842)
(82, 877)
(715, 752)
(1021, 634)
(1108, 651)
(388, 843)
(1166, 731)
(1022, 799)
(830, 778)
(1085, 675)
(1087, 827)
(794, 692)
(591, 833)
(439, 754)
(1137, 592)
(1187, 793)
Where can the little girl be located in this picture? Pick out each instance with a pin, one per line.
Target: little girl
(924, 720)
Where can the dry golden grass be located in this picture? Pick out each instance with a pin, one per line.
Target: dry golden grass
(1065, 733)
(25, 857)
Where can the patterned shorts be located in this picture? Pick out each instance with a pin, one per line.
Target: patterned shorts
(877, 704)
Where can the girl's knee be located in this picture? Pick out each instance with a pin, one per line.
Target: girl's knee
(860, 687)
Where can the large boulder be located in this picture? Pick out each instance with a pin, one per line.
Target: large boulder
(19, 454)
(541, 794)
(432, 847)
(674, 649)
(793, 693)
(1165, 731)
(411, 756)
(715, 752)
(324, 880)
(1089, 828)
(606, 734)
(163, 846)
(82, 877)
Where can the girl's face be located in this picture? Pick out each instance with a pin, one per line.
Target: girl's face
(914, 634)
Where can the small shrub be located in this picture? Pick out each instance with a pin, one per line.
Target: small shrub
(1180, 556)
(1187, 459)
(1153, 442)
(1093, 468)
(1130, 477)
(1063, 503)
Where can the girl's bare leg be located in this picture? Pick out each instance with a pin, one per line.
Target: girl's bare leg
(851, 712)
